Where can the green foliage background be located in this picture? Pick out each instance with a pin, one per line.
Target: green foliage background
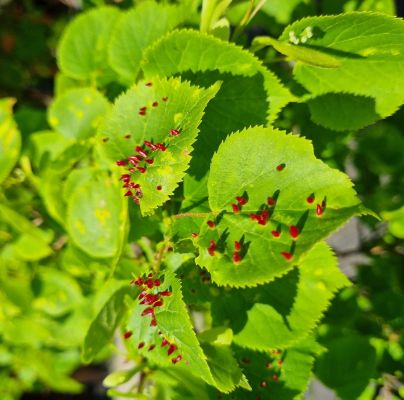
(294, 106)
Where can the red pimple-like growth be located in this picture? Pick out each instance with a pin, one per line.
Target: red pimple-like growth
(237, 246)
(236, 208)
(294, 231)
(241, 200)
(125, 178)
(263, 384)
(280, 167)
(127, 335)
(152, 347)
(171, 349)
(161, 146)
(263, 218)
(121, 163)
(287, 255)
(138, 282)
(271, 201)
(158, 187)
(149, 161)
(158, 303)
(153, 322)
(176, 359)
(194, 234)
(141, 151)
(212, 248)
(150, 298)
(142, 111)
(211, 224)
(155, 104)
(141, 169)
(147, 311)
(140, 345)
(310, 199)
(275, 378)
(276, 234)
(236, 258)
(157, 282)
(166, 293)
(174, 132)
(319, 210)
(128, 194)
(150, 145)
(150, 283)
(164, 342)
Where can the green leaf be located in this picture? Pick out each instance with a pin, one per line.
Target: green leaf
(396, 222)
(247, 164)
(370, 48)
(178, 106)
(335, 111)
(10, 139)
(77, 113)
(136, 30)
(36, 240)
(304, 54)
(52, 180)
(286, 310)
(348, 366)
(187, 50)
(105, 323)
(174, 325)
(223, 366)
(46, 146)
(82, 51)
(282, 10)
(93, 215)
(57, 293)
(279, 375)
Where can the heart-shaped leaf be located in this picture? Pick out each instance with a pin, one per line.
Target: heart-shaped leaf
(150, 133)
(271, 201)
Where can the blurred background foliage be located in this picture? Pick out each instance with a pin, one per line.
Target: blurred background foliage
(47, 296)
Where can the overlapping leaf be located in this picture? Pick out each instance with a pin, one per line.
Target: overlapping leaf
(93, 215)
(77, 113)
(167, 105)
(347, 366)
(102, 328)
(186, 50)
(136, 30)
(288, 308)
(10, 139)
(173, 322)
(277, 174)
(370, 48)
(172, 335)
(82, 51)
(279, 375)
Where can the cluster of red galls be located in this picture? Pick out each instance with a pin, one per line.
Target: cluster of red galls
(139, 162)
(261, 217)
(274, 365)
(152, 298)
